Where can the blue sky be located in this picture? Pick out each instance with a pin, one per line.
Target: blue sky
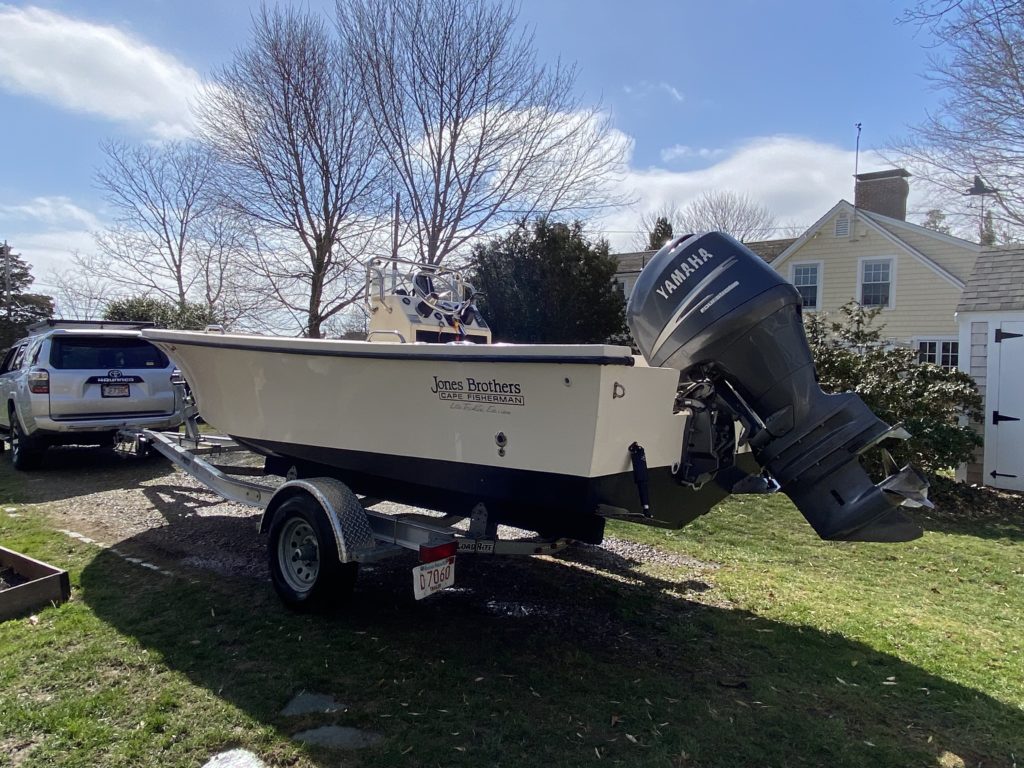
(756, 97)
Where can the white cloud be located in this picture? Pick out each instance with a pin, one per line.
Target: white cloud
(645, 88)
(46, 231)
(672, 91)
(798, 179)
(49, 251)
(49, 211)
(100, 70)
(683, 152)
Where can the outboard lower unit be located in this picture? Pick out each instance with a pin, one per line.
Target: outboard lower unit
(711, 308)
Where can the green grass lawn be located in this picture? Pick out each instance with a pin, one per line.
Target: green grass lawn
(793, 652)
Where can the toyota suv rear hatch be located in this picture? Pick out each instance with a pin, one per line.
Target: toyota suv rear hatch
(107, 376)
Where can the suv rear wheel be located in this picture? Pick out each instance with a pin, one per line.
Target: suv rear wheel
(26, 453)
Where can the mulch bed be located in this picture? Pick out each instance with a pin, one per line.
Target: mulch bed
(8, 579)
(972, 502)
(974, 509)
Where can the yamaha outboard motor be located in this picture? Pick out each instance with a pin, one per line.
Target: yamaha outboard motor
(711, 308)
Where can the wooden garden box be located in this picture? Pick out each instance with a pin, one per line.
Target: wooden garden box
(39, 584)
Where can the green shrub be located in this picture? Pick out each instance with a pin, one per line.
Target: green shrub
(165, 314)
(933, 404)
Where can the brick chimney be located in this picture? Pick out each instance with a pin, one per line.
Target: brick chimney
(883, 192)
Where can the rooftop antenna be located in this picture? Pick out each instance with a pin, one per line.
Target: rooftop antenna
(856, 155)
(856, 170)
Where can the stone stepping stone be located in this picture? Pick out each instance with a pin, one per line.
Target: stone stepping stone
(338, 737)
(236, 758)
(311, 703)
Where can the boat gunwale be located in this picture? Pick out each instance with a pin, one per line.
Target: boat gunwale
(417, 352)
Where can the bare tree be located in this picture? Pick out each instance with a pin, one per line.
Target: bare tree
(477, 132)
(725, 211)
(297, 154)
(714, 210)
(159, 243)
(80, 293)
(974, 140)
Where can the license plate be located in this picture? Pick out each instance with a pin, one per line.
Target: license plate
(431, 577)
(114, 390)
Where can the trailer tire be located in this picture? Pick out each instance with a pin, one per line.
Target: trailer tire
(302, 554)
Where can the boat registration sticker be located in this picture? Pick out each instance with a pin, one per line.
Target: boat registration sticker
(114, 390)
(432, 577)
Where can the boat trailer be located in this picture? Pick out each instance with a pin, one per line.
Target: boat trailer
(298, 514)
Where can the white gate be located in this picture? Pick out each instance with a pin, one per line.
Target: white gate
(1004, 416)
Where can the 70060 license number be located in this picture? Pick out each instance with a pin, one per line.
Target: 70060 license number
(433, 577)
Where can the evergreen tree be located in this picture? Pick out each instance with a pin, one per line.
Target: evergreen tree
(545, 282)
(936, 219)
(851, 355)
(20, 309)
(165, 314)
(660, 234)
(988, 230)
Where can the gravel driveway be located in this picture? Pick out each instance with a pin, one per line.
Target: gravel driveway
(150, 511)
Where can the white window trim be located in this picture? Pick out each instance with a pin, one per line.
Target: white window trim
(892, 280)
(916, 341)
(821, 279)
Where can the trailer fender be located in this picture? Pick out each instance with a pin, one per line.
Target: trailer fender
(346, 515)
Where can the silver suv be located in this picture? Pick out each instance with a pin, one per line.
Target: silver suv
(78, 382)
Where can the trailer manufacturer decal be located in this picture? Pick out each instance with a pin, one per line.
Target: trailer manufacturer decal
(471, 390)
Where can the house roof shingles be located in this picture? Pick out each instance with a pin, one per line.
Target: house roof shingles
(769, 250)
(766, 249)
(997, 282)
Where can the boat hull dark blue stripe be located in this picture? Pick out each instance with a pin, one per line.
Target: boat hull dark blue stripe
(557, 505)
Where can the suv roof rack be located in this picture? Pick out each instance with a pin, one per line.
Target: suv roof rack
(121, 325)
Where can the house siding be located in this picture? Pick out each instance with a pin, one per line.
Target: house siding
(955, 259)
(924, 303)
(976, 365)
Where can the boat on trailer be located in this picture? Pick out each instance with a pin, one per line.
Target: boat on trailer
(557, 439)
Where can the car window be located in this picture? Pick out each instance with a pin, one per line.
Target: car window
(18, 358)
(32, 357)
(8, 359)
(83, 352)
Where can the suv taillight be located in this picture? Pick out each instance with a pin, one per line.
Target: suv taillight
(39, 381)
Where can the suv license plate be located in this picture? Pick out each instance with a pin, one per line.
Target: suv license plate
(432, 577)
(114, 390)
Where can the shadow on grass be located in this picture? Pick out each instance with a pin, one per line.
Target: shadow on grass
(548, 663)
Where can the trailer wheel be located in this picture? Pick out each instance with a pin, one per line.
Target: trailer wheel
(303, 559)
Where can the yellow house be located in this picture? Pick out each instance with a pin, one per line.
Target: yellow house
(868, 252)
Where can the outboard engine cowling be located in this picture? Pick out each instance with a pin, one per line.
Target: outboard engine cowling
(711, 308)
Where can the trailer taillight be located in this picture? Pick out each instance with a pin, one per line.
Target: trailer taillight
(431, 552)
(39, 381)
